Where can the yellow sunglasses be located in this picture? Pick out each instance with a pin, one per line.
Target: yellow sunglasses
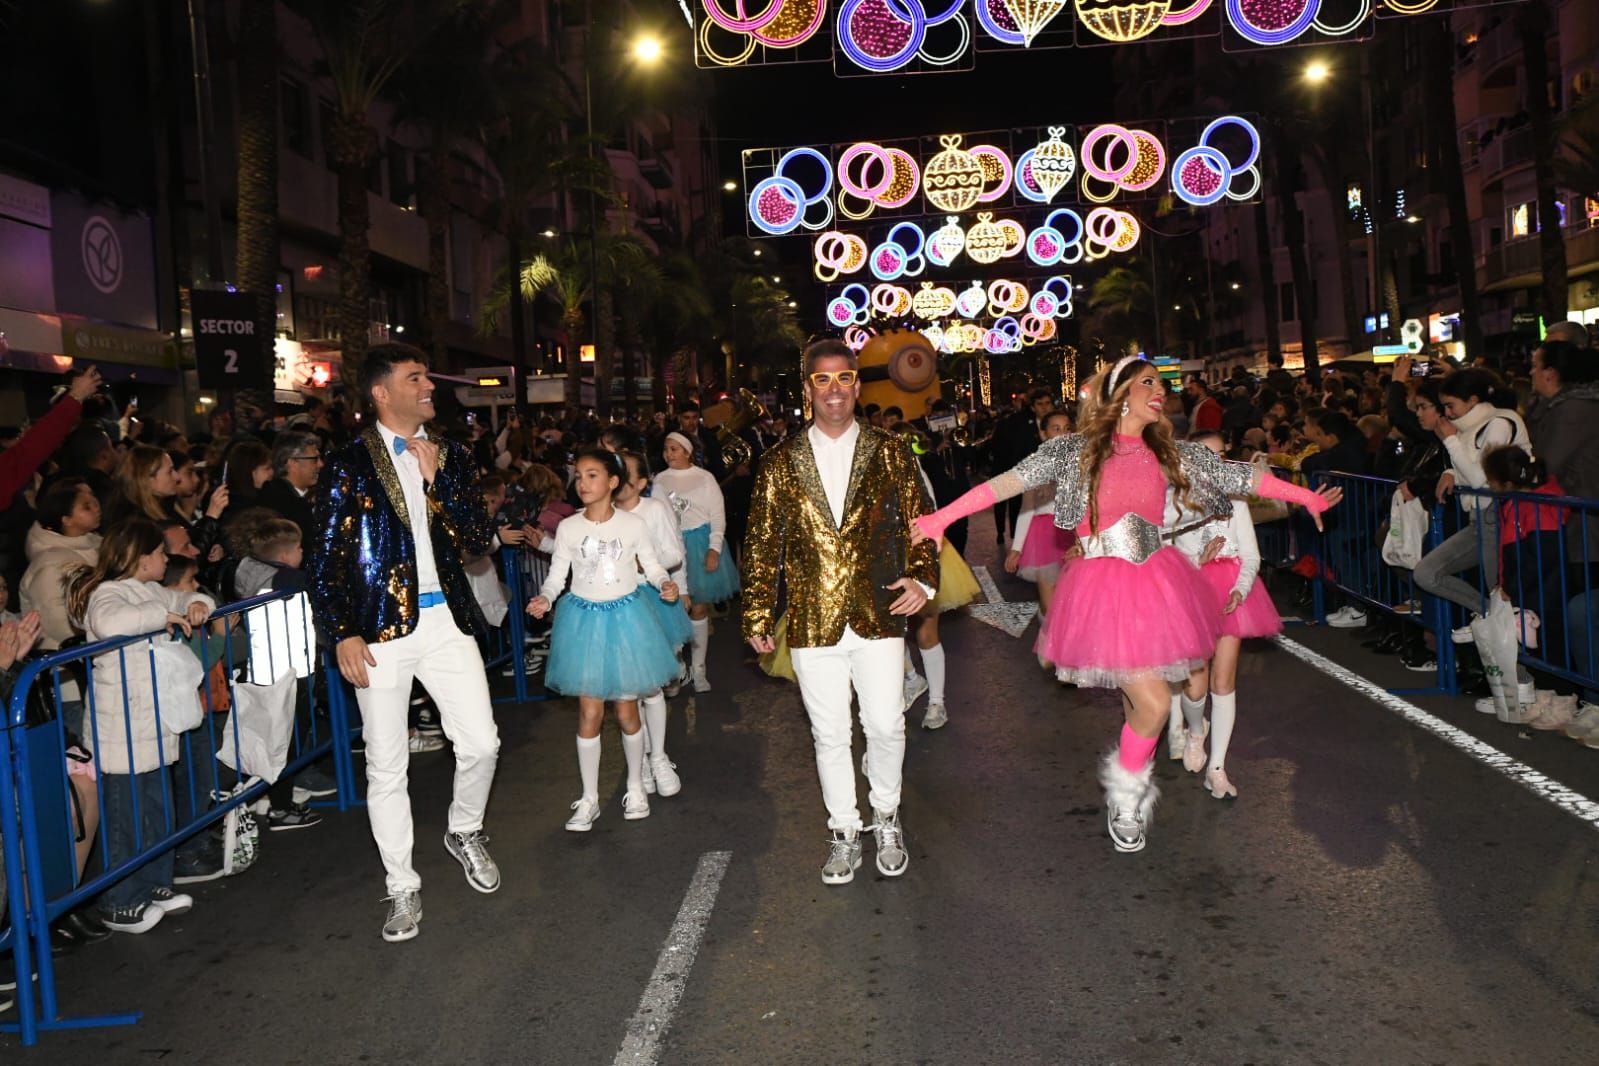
(823, 378)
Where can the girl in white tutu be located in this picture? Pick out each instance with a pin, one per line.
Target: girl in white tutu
(1039, 547)
(607, 644)
(1228, 557)
(712, 578)
(660, 773)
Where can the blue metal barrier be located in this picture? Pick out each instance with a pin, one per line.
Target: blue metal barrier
(38, 799)
(1552, 576)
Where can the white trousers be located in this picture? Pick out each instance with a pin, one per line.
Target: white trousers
(448, 664)
(875, 669)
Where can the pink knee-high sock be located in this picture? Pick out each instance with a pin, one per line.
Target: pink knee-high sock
(1134, 751)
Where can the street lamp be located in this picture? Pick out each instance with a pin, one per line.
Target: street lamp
(1317, 71)
(647, 49)
(730, 186)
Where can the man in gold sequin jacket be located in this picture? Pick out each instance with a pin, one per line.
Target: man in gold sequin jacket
(831, 516)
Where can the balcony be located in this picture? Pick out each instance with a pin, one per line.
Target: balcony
(1496, 47)
(1507, 151)
(1518, 263)
(652, 166)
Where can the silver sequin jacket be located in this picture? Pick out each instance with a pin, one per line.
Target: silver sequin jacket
(1213, 480)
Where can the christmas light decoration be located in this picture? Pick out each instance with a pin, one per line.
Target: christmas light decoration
(888, 261)
(1068, 374)
(1241, 123)
(1031, 16)
(997, 21)
(1271, 21)
(996, 167)
(777, 206)
(891, 301)
(1149, 165)
(982, 374)
(1182, 18)
(972, 300)
(1121, 21)
(797, 22)
(947, 242)
(1052, 164)
(1200, 175)
(881, 35)
(838, 253)
(933, 302)
(722, 59)
(985, 242)
(1107, 168)
(1006, 296)
(952, 179)
(1362, 11)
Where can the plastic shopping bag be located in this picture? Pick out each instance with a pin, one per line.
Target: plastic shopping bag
(1407, 533)
(1495, 637)
(264, 718)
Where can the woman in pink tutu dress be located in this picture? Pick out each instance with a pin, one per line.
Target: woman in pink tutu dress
(1140, 616)
(1228, 558)
(1042, 544)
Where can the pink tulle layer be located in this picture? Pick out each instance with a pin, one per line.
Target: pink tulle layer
(1046, 542)
(1256, 616)
(1113, 621)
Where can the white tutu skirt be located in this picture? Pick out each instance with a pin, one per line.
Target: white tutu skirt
(615, 649)
(707, 586)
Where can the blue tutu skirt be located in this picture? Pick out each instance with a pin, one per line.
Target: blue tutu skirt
(608, 650)
(703, 586)
(673, 618)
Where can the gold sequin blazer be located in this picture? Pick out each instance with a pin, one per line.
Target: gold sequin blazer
(834, 574)
(362, 554)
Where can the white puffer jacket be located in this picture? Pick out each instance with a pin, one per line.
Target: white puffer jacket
(121, 609)
(51, 557)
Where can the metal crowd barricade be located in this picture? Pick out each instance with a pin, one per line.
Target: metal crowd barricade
(1554, 582)
(1348, 558)
(523, 571)
(254, 640)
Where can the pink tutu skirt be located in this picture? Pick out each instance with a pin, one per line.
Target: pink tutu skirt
(1041, 552)
(1112, 621)
(1256, 616)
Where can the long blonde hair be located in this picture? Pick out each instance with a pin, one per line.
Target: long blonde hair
(120, 552)
(1098, 417)
(138, 468)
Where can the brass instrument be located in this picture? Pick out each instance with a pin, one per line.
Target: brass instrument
(730, 417)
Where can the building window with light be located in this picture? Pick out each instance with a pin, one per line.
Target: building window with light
(1590, 211)
(1523, 219)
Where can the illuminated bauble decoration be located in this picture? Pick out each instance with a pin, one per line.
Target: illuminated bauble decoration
(1053, 163)
(947, 242)
(996, 171)
(1118, 20)
(1149, 164)
(1031, 16)
(875, 36)
(972, 301)
(986, 241)
(953, 179)
(796, 22)
(1015, 236)
(903, 185)
(933, 302)
(1272, 21)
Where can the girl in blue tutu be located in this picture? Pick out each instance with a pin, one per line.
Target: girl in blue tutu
(712, 578)
(660, 773)
(607, 643)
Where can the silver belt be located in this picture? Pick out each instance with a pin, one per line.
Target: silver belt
(1131, 537)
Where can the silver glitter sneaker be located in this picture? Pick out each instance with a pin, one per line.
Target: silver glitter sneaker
(405, 916)
(892, 858)
(471, 851)
(843, 857)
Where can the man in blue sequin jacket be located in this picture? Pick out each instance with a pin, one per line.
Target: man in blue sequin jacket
(395, 511)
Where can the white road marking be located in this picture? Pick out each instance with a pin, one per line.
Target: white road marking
(647, 1028)
(1567, 799)
(1009, 617)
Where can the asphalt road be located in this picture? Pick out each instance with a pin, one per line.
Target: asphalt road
(1374, 895)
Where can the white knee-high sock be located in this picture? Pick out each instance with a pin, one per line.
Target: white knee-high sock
(1174, 721)
(633, 748)
(1194, 714)
(702, 637)
(588, 765)
(654, 708)
(1223, 714)
(933, 663)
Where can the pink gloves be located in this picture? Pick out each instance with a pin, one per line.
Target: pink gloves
(1273, 487)
(933, 525)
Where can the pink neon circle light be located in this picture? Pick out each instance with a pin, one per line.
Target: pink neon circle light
(1124, 137)
(818, 15)
(741, 23)
(876, 154)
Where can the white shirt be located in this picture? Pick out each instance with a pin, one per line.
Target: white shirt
(834, 458)
(697, 499)
(603, 558)
(410, 471)
(665, 536)
(1238, 539)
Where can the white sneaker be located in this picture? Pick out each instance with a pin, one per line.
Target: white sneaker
(635, 805)
(915, 685)
(586, 811)
(937, 717)
(1176, 743)
(1585, 721)
(1462, 636)
(663, 775)
(701, 682)
(1349, 618)
(421, 742)
(647, 776)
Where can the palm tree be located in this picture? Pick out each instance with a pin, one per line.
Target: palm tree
(1438, 93)
(364, 43)
(258, 257)
(1532, 23)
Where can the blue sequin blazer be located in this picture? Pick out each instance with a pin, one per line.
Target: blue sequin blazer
(362, 556)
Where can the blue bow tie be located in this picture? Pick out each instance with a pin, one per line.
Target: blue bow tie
(399, 445)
